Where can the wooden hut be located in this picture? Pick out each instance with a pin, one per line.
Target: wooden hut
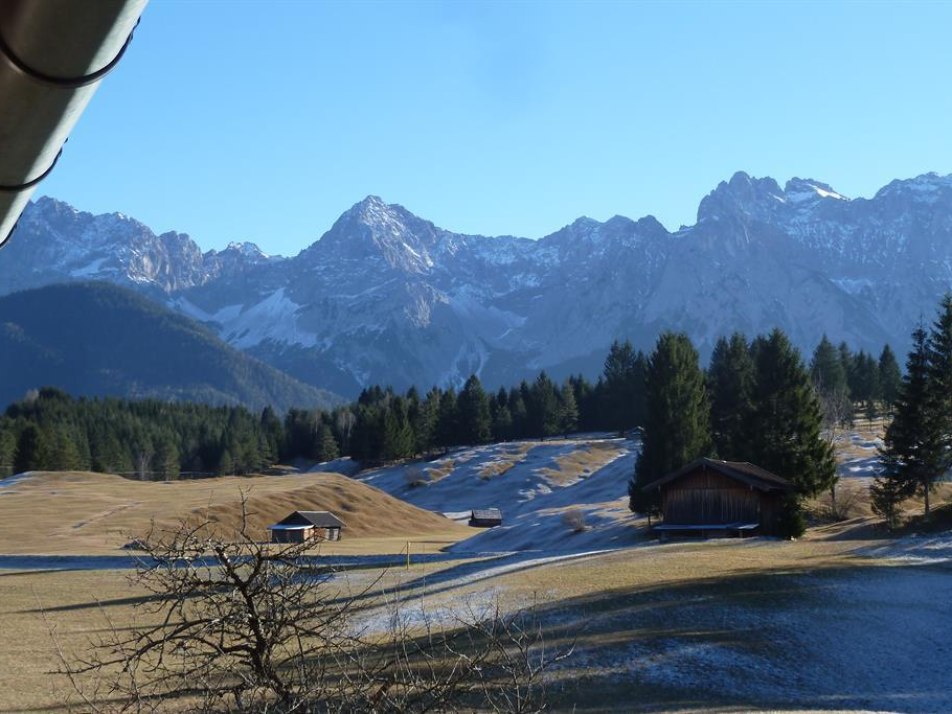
(301, 526)
(485, 517)
(710, 497)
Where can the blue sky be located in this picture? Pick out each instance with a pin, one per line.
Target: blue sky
(264, 121)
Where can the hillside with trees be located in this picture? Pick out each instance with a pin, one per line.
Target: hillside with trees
(97, 339)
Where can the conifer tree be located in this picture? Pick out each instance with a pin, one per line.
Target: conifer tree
(8, 448)
(911, 455)
(30, 452)
(166, 460)
(447, 429)
(677, 426)
(425, 421)
(890, 377)
(326, 444)
(731, 386)
(543, 407)
(832, 387)
(786, 418)
(827, 368)
(940, 377)
(624, 377)
(568, 409)
(472, 410)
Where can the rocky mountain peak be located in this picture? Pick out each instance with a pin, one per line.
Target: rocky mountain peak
(799, 191)
(742, 196)
(925, 188)
(377, 231)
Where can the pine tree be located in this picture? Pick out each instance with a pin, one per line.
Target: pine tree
(890, 377)
(911, 455)
(623, 394)
(786, 420)
(327, 444)
(472, 409)
(832, 387)
(568, 409)
(167, 459)
(425, 421)
(543, 407)
(827, 368)
(31, 451)
(731, 386)
(447, 423)
(8, 448)
(273, 432)
(677, 420)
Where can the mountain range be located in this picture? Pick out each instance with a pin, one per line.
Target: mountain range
(387, 297)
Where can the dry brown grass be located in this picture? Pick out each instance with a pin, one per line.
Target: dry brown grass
(87, 513)
(435, 473)
(37, 605)
(580, 462)
(70, 598)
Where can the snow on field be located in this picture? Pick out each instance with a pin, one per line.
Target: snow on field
(858, 456)
(344, 466)
(919, 550)
(15, 479)
(534, 484)
(872, 639)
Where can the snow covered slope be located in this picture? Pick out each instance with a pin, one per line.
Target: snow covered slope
(534, 484)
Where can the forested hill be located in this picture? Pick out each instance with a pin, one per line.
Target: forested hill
(98, 339)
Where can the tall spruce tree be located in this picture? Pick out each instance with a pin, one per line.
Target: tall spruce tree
(890, 377)
(830, 381)
(730, 380)
(827, 369)
(911, 455)
(472, 412)
(786, 419)
(568, 409)
(623, 394)
(677, 426)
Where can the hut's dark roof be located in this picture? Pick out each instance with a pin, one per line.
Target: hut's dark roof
(319, 519)
(487, 514)
(743, 471)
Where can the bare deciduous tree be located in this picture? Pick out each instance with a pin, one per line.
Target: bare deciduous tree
(574, 518)
(232, 624)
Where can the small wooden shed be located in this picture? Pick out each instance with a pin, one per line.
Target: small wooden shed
(711, 497)
(485, 517)
(301, 526)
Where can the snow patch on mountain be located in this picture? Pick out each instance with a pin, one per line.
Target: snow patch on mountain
(274, 318)
(88, 270)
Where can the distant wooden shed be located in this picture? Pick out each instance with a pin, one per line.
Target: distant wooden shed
(301, 526)
(711, 497)
(485, 517)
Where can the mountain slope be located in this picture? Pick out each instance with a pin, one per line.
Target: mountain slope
(387, 297)
(100, 339)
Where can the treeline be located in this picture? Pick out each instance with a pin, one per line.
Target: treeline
(846, 381)
(49, 430)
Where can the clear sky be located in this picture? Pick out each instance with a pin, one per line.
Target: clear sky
(264, 121)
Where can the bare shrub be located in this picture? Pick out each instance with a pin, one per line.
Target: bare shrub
(847, 501)
(242, 626)
(414, 476)
(574, 518)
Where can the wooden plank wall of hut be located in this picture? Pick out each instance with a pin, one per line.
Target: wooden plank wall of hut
(706, 498)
